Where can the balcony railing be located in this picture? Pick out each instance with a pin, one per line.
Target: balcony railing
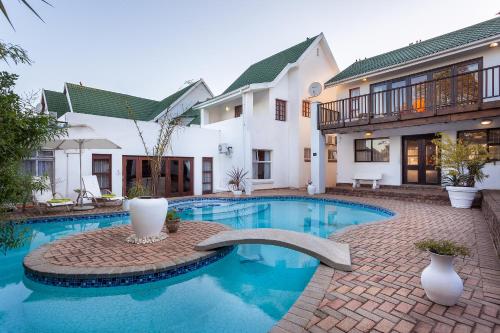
(458, 93)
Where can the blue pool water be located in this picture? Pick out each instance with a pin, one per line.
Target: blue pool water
(247, 291)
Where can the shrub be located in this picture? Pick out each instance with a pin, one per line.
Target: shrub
(442, 247)
(138, 190)
(172, 215)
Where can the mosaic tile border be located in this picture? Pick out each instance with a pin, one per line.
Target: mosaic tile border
(126, 280)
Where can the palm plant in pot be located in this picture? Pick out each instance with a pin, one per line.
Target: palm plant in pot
(463, 164)
(172, 221)
(441, 283)
(236, 180)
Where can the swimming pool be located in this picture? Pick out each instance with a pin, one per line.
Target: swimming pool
(249, 290)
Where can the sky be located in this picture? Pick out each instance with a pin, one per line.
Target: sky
(150, 48)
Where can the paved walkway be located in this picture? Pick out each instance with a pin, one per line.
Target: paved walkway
(330, 253)
(383, 292)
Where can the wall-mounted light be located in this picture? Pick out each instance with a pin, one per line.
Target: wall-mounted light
(364, 79)
(494, 44)
(486, 122)
(227, 108)
(368, 133)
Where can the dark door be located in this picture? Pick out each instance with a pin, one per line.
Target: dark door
(207, 175)
(179, 176)
(419, 160)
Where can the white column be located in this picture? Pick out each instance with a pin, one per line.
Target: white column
(203, 117)
(247, 106)
(317, 151)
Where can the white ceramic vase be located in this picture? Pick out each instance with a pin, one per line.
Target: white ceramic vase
(461, 197)
(441, 283)
(148, 215)
(237, 192)
(311, 189)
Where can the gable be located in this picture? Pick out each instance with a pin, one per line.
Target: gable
(56, 102)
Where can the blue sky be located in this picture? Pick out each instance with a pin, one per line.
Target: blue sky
(149, 48)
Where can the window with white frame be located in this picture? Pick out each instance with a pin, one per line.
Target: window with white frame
(261, 164)
(41, 163)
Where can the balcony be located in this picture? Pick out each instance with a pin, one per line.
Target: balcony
(469, 95)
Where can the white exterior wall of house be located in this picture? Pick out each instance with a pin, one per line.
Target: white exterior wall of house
(198, 93)
(186, 142)
(491, 57)
(285, 139)
(392, 173)
(392, 170)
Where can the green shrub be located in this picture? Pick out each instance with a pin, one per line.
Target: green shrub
(172, 215)
(442, 247)
(138, 190)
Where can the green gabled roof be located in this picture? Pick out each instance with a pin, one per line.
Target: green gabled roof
(268, 69)
(56, 102)
(111, 104)
(166, 102)
(428, 47)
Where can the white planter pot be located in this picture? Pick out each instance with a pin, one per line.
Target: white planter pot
(461, 197)
(311, 189)
(237, 193)
(441, 283)
(148, 216)
(126, 205)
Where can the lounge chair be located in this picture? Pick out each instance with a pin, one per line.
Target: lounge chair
(92, 191)
(47, 199)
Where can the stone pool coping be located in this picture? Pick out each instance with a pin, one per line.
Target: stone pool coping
(64, 262)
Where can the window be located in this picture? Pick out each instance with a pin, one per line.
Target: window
(332, 155)
(371, 150)
(40, 164)
(101, 167)
(488, 137)
(207, 176)
(280, 110)
(238, 110)
(261, 164)
(306, 109)
(307, 154)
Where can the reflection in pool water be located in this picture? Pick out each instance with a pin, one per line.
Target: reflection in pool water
(247, 291)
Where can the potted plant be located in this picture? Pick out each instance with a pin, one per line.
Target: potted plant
(137, 190)
(147, 213)
(441, 283)
(463, 164)
(172, 221)
(236, 181)
(311, 189)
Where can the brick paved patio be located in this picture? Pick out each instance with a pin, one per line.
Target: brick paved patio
(383, 293)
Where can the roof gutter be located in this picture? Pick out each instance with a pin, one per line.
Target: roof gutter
(417, 61)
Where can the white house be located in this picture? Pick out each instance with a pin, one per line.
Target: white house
(264, 115)
(260, 123)
(386, 109)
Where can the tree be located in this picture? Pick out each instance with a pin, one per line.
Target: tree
(23, 132)
(168, 124)
(24, 2)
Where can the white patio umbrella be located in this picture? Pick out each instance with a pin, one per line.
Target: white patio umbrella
(76, 139)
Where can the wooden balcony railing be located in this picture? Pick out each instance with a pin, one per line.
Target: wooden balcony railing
(458, 93)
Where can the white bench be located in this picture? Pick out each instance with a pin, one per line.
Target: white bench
(374, 177)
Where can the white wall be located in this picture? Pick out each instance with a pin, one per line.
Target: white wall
(392, 170)
(186, 142)
(490, 56)
(199, 93)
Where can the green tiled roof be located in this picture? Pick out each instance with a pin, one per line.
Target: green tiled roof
(428, 47)
(56, 102)
(268, 69)
(192, 113)
(111, 104)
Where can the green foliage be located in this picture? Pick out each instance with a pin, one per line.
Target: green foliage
(462, 162)
(27, 4)
(15, 53)
(138, 190)
(442, 247)
(22, 133)
(172, 215)
(237, 178)
(12, 237)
